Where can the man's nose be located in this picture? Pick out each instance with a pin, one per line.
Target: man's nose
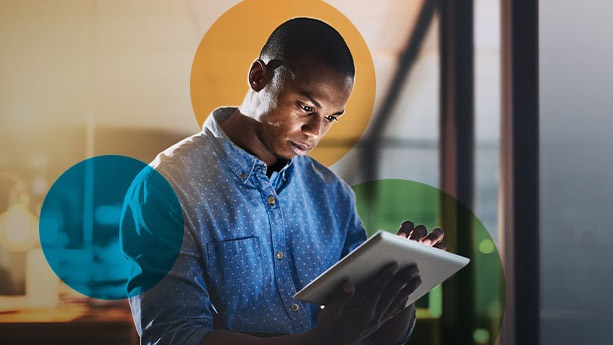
(313, 126)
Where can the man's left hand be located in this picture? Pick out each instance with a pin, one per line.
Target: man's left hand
(420, 234)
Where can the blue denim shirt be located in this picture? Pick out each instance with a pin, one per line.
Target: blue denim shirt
(250, 241)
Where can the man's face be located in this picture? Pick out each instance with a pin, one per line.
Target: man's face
(301, 108)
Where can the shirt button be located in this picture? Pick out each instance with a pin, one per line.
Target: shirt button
(280, 255)
(295, 307)
(244, 175)
(271, 200)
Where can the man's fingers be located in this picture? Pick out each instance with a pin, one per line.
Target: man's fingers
(400, 302)
(440, 245)
(334, 308)
(411, 286)
(418, 233)
(434, 237)
(395, 288)
(376, 290)
(405, 229)
(343, 295)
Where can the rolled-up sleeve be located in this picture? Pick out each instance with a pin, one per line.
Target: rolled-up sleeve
(168, 294)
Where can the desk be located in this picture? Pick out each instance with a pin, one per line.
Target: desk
(79, 324)
(69, 325)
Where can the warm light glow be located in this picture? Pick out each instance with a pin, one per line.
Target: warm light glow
(18, 228)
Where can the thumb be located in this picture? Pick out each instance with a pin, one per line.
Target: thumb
(336, 304)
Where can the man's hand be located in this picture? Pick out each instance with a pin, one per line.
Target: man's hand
(420, 234)
(354, 315)
(378, 308)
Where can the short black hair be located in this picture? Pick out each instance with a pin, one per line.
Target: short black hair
(308, 37)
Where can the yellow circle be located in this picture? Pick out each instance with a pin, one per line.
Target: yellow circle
(219, 70)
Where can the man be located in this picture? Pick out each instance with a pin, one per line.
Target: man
(262, 219)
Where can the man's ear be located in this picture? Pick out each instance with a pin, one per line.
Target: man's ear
(258, 75)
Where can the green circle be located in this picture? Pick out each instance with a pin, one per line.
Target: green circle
(385, 204)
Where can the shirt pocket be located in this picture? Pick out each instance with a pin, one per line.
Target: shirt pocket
(235, 274)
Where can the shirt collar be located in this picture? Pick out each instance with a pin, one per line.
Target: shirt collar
(242, 163)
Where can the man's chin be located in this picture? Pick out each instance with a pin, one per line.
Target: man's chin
(285, 157)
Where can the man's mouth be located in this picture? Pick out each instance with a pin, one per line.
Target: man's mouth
(300, 149)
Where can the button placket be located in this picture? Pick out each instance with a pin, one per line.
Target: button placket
(282, 271)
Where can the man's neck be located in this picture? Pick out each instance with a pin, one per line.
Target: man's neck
(240, 129)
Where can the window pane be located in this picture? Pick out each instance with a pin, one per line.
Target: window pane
(576, 174)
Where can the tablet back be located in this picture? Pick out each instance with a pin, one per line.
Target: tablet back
(380, 250)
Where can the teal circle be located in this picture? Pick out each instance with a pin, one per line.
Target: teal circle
(385, 204)
(98, 227)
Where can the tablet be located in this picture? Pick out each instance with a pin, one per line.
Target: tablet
(383, 248)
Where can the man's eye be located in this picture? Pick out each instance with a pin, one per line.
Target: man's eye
(307, 108)
(331, 118)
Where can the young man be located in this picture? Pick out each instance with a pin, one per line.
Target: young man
(262, 219)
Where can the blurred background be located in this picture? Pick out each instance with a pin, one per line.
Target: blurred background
(86, 78)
